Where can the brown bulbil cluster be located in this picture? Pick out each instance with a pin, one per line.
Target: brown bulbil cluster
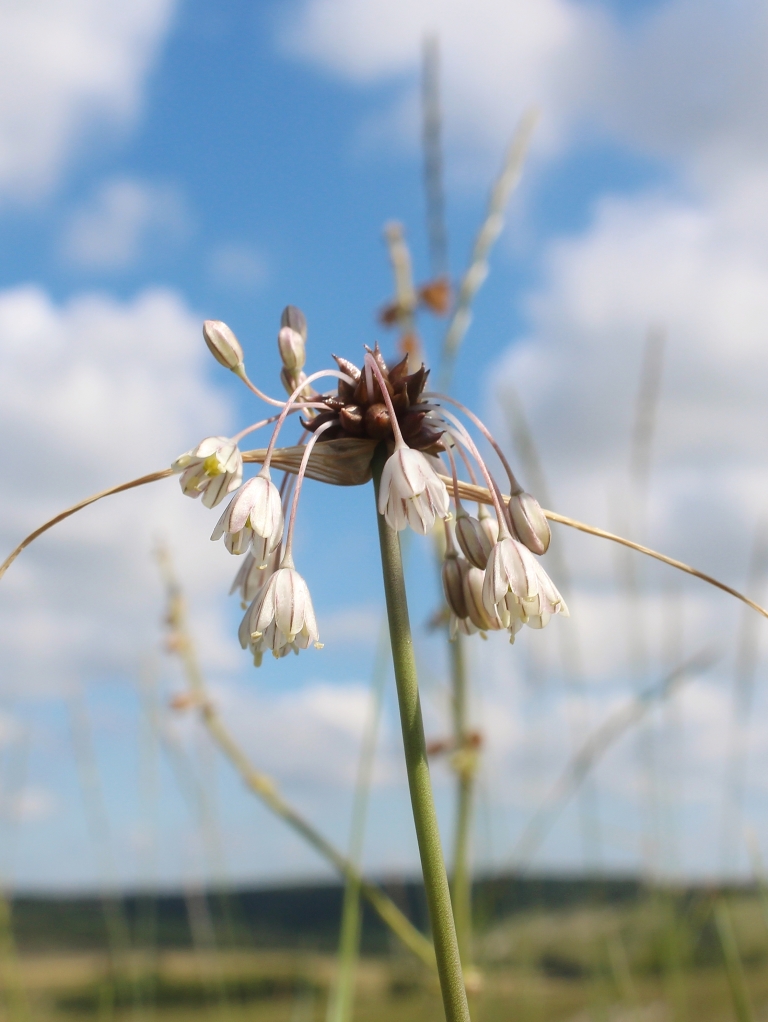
(358, 411)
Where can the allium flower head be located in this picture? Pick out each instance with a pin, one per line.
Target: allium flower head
(380, 414)
(254, 516)
(411, 493)
(214, 468)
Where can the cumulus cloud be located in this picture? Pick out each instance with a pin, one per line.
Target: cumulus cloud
(95, 392)
(115, 228)
(237, 266)
(65, 67)
(497, 57)
(701, 273)
(684, 80)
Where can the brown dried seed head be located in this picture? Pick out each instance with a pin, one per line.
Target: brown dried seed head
(436, 295)
(351, 418)
(378, 424)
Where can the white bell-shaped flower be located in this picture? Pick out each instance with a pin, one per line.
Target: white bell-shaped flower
(254, 516)
(518, 589)
(252, 576)
(281, 617)
(411, 493)
(214, 468)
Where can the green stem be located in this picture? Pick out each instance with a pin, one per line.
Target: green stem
(733, 966)
(422, 801)
(461, 886)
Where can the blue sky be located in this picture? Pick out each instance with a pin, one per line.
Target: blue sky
(222, 163)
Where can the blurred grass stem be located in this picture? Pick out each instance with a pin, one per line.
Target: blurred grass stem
(263, 786)
(733, 964)
(484, 242)
(341, 1002)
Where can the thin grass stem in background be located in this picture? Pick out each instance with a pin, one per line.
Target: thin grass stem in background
(745, 668)
(262, 785)
(15, 994)
(417, 766)
(341, 1001)
(733, 965)
(405, 292)
(579, 716)
(149, 790)
(595, 747)
(199, 921)
(632, 511)
(758, 870)
(491, 228)
(118, 934)
(431, 140)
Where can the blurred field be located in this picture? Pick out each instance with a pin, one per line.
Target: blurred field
(617, 952)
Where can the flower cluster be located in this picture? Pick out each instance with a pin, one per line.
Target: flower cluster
(492, 577)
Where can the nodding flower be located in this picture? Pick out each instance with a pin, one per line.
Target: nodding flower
(253, 518)
(492, 577)
(214, 468)
(281, 617)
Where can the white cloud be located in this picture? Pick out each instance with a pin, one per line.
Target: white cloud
(66, 66)
(29, 805)
(92, 393)
(237, 266)
(686, 80)
(359, 625)
(497, 57)
(689, 82)
(116, 227)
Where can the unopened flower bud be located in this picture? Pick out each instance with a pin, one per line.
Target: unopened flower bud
(530, 524)
(454, 568)
(292, 349)
(223, 344)
(474, 541)
(489, 523)
(290, 380)
(473, 597)
(294, 318)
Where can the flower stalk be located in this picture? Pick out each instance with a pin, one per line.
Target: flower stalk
(464, 765)
(417, 766)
